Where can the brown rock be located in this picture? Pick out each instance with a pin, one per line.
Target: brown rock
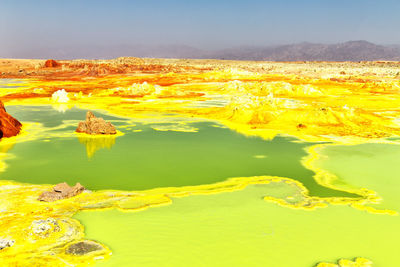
(89, 116)
(61, 191)
(50, 196)
(94, 125)
(68, 191)
(9, 126)
(61, 187)
(51, 63)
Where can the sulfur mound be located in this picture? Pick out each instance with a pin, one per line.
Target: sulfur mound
(61, 191)
(94, 125)
(9, 126)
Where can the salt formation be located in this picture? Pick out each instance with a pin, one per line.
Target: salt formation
(60, 96)
(138, 89)
(283, 89)
(6, 243)
(43, 228)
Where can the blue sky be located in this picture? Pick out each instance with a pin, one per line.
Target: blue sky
(208, 24)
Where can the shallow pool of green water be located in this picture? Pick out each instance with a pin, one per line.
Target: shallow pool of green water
(241, 229)
(372, 166)
(226, 229)
(150, 158)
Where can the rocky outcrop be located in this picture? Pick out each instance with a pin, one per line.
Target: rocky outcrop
(9, 126)
(94, 125)
(61, 191)
(51, 63)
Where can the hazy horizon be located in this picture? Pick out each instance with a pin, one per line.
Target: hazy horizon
(29, 26)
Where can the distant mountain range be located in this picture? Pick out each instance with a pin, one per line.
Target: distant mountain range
(348, 51)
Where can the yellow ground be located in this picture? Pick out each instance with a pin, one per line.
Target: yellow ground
(343, 104)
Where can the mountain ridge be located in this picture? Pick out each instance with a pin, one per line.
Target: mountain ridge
(359, 50)
(347, 51)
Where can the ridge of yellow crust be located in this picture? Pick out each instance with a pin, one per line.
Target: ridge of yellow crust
(357, 262)
(20, 208)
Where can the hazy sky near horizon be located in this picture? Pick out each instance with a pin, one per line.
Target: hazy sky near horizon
(207, 24)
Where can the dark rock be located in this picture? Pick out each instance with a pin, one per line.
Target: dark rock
(94, 125)
(61, 191)
(301, 126)
(83, 247)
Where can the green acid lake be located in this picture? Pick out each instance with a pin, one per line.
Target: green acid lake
(240, 229)
(144, 158)
(372, 166)
(237, 228)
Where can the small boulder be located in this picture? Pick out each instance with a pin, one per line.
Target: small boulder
(94, 125)
(61, 191)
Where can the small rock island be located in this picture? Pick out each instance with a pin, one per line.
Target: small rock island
(94, 125)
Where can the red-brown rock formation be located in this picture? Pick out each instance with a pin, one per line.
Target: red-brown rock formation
(9, 126)
(61, 191)
(51, 63)
(94, 125)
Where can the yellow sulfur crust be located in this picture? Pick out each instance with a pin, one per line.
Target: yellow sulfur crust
(255, 99)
